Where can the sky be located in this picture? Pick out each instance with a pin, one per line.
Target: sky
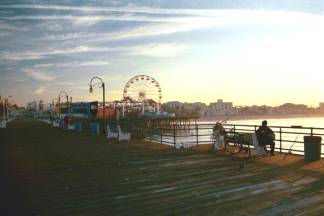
(247, 52)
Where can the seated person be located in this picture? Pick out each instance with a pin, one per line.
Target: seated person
(266, 136)
(219, 133)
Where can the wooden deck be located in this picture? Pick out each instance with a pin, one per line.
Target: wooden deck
(47, 171)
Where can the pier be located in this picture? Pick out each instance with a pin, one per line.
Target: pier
(49, 171)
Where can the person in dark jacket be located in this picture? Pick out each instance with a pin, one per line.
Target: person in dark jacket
(266, 136)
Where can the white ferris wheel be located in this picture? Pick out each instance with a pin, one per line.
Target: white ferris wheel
(143, 90)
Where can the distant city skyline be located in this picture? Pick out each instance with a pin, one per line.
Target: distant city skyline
(249, 52)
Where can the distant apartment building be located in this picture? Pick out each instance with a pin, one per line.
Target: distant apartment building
(321, 107)
(221, 108)
(172, 105)
(290, 108)
(186, 109)
(255, 110)
(199, 107)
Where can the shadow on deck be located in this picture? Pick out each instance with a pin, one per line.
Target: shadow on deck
(48, 171)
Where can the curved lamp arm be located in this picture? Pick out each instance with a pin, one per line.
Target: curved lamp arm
(100, 84)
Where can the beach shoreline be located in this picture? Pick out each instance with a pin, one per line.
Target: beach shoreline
(256, 117)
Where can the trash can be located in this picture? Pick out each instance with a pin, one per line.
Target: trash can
(61, 122)
(77, 127)
(94, 129)
(312, 148)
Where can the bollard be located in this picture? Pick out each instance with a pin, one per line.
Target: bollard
(77, 127)
(61, 124)
(94, 129)
(70, 127)
(55, 123)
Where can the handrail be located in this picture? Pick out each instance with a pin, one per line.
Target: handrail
(200, 133)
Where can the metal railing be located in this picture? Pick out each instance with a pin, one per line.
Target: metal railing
(287, 138)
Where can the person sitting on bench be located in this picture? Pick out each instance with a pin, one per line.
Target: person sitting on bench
(266, 136)
(219, 133)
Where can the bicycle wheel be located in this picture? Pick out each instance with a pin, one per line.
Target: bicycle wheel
(233, 148)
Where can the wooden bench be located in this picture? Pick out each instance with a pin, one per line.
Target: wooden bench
(123, 135)
(3, 124)
(238, 142)
(243, 141)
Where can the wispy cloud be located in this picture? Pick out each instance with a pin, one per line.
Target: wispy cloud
(42, 65)
(67, 36)
(93, 63)
(32, 55)
(182, 15)
(39, 91)
(160, 50)
(8, 27)
(160, 25)
(143, 31)
(157, 50)
(4, 34)
(73, 64)
(38, 75)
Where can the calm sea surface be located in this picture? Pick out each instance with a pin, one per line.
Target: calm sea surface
(305, 122)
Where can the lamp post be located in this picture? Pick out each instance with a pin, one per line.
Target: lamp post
(3, 103)
(100, 84)
(7, 106)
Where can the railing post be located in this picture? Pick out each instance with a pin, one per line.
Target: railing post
(197, 136)
(234, 138)
(174, 135)
(311, 131)
(161, 133)
(280, 134)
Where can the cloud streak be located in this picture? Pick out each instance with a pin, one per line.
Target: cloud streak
(32, 55)
(169, 50)
(181, 15)
(39, 90)
(157, 50)
(73, 64)
(37, 75)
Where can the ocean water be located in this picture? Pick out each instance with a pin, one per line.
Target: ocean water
(305, 122)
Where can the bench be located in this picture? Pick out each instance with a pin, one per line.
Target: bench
(123, 135)
(112, 132)
(56, 123)
(3, 124)
(243, 141)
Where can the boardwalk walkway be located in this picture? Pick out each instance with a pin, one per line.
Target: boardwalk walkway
(48, 171)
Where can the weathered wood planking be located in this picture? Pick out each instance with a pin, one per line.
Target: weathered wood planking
(55, 172)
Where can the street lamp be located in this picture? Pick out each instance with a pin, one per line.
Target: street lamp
(7, 106)
(3, 108)
(100, 84)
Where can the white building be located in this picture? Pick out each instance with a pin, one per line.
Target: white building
(173, 105)
(200, 108)
(221, 108)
